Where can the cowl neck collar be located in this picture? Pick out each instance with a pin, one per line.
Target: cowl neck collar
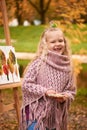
(58, 61)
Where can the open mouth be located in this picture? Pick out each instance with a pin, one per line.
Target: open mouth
(57, 48)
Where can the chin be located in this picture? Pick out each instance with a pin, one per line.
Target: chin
(60, 53)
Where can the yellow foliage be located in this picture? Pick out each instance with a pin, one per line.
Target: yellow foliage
(76, 41)
(77, 67)
(72, 10)
(1, 21)
(83, 52)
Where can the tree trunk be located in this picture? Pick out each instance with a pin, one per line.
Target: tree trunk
(41, 9)
(42, 12)
(18, 16)
(42, 16)
(20, 20)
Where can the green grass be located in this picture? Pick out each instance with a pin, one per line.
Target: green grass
(27, 38)
(84, 67)
(22, 65)
(77, 47)
(23, 62)
(82, 92)
(81, 98)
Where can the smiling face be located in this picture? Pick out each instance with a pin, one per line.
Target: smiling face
(55, 41)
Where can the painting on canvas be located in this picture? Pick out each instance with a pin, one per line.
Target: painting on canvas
(9, 72)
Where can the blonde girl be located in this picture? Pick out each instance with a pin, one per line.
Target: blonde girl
(48, 86)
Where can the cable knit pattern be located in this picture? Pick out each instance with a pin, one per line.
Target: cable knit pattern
(52, 72)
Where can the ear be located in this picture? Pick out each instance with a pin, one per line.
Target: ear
(44, 41)
(65, 40)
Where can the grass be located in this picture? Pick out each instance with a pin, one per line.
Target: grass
(22, 65)
(82, 92)
(84, 67)
(23, 62)
(77, 47)
(81, 97)
(27, 38)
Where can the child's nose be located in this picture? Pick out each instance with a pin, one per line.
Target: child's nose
(57, 43)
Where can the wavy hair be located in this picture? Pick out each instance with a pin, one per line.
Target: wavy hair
(42, 47)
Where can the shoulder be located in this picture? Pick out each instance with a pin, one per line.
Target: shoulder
(34, 63)
(32, 66)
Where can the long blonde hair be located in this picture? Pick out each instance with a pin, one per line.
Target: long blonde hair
(42, 47)
(43, 50)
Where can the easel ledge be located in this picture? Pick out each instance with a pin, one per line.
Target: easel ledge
(11, 85)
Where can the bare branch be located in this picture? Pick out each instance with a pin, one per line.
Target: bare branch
(34, 6)
(48, 3)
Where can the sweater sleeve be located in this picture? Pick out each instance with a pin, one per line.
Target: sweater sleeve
(70, 88)
(69, 91)
(30, 85)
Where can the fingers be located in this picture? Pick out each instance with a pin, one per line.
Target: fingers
(59, 97)
(50, 92)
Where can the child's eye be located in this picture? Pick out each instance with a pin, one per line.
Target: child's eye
(60, 40)
(52, 42)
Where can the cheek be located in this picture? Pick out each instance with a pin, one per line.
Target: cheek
(49, 46)
(63, 44)
(52, 47)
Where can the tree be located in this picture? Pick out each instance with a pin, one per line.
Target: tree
(71, 10)
(84, 16)
(27, 12)
(20, 9)
(74, 11)
(10, 5)
(0, 15)
(42, 8)
(18, 12)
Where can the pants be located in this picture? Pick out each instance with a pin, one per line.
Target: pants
(31, 127)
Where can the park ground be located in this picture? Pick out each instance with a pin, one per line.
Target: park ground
(77, 119)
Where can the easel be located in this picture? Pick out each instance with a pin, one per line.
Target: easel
(14, 86)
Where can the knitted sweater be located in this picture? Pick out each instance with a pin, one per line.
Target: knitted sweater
(53, 72)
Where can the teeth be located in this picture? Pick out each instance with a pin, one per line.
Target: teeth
(57, 48)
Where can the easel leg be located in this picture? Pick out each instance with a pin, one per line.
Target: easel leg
(1, 101)
(17, 104)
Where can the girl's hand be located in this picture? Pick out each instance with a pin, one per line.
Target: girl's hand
(49, 93)
(59, 97)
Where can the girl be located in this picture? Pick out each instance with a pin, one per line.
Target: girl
(48, 86)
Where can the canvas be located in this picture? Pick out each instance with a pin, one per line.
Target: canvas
(9, 72)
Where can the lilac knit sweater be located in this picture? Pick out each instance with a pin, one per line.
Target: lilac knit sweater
(53, 72)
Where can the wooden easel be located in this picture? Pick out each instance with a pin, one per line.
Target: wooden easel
(14, 86)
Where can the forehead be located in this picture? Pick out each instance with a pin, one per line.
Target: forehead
(54, 34)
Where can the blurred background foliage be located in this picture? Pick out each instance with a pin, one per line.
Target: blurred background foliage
(74, 11)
